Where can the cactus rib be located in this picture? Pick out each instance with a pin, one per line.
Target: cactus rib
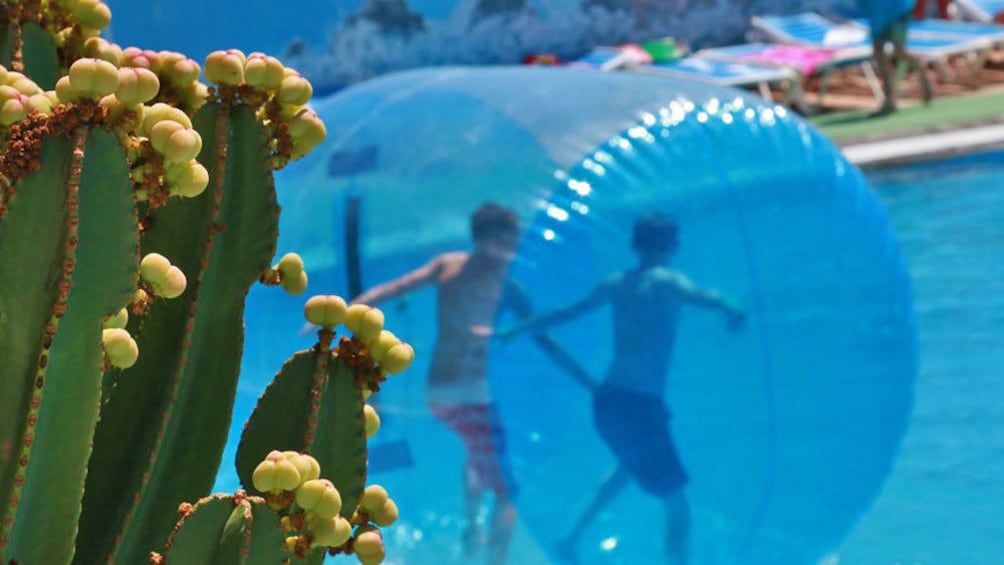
(225, 530)
(34, 279)
(193, 384)
(103, 280)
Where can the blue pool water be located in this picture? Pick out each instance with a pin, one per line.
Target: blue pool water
(940, 503)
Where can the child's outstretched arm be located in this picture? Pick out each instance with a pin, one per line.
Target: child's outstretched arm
(600, 295)
(709, 298)
(406, 282)
(516, 299)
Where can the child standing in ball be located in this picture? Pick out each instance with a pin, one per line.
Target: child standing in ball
(629, 408)
(472, 289)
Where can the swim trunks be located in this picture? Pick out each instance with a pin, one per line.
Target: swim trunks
(635, 427)
(481, 430)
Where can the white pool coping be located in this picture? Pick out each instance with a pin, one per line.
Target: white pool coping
(923, 146)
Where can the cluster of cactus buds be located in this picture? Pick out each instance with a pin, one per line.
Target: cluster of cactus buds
(73, 21)
(365, 322)
(289, 273)
(164, 278)
(19, 96)
(282, 94)
(312, 512)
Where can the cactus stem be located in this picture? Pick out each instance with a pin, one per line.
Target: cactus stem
(14, 16)
(322, 353)
(186, 342)
(64, 285)
(245, 552)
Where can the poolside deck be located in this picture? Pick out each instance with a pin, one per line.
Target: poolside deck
(964, 115)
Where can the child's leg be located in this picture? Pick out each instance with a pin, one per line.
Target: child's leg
(503, 519)
(473, 494)
(677, 528)
(906, 62)
(885, 73)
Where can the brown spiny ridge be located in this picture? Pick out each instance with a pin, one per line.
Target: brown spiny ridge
(353, 352)
(22, 153)
(246, 534)
(193, 293)
(322, 353)
(58, 309)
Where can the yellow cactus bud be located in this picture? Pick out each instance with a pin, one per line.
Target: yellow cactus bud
(386, 515)
(92, 14)
(99, 48)
(117, 320)
(326, 311)
(307, 127)
(320, 498)
(295, 90)
(160, 112)
(374, 558)
(373, 499)
(65, 91)
(329, 532)
(291, 543)
(187, 180)
(137, 85)
(24, 85)
(225, 67)
(368, 542)
(372, 420)
(194, 95)
(182, 146)
(13, 110)
(398, 358)
(289, 264)
(93, 78)
(378, 348)
(114, 106)
(153, 268)
(174, 283)
(183, 72)
(364, 321)
(367, 393)
(307, 466)
(295, 285)
(161, 132)
(275, 474)
(120, 347)
(263, 71)
(136, 57)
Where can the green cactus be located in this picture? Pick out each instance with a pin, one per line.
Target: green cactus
(137, 208)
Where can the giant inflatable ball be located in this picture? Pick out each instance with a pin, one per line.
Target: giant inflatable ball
(785, 423)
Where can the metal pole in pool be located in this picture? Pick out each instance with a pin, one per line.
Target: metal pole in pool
(393, 454)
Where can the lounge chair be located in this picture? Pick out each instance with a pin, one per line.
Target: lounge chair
(725, 73)
(980, 10)
(612, 58)
(814, 30)
(808, 62)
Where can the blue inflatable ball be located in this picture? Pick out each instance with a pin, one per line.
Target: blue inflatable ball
(774, 428)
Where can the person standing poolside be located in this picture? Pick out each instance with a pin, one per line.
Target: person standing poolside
(890, 21)
(920, 9)
(472, 290)
(629, 409)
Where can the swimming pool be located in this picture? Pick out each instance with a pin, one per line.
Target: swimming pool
(941, 501)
